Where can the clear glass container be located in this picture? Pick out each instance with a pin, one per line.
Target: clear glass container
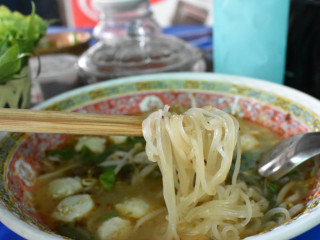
(130, 42)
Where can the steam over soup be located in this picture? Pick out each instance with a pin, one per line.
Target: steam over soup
(183, 180)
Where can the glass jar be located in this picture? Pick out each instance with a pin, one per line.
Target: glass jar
(130, 42)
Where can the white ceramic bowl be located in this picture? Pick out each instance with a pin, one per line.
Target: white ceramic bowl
(279, 108)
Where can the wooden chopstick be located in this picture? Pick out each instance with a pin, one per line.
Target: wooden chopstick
(37, 121)
(55, 115)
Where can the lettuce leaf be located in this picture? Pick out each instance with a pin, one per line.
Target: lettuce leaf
(19, 37)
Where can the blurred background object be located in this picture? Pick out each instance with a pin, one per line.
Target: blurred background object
(130, 42)
(50, 80)
(188, 14)
(303, 51)
(251, 41)
(48, 9)
(81, 13)
(73, 42)
(302, 55)
(19, 38)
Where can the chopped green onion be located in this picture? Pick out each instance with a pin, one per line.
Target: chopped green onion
(272, 187)
(107, 179)
(63, 154)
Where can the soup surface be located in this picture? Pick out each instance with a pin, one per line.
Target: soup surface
(106, 188)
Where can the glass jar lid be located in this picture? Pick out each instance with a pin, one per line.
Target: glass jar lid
(133, 56)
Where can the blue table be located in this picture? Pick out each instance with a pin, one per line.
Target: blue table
(199, 36)
(313, 234)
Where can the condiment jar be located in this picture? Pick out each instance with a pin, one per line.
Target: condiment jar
(130, 42)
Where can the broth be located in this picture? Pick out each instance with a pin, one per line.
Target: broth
(133, 195)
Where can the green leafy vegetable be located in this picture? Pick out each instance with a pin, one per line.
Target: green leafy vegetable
(107, 179)
(277, 216)
(248, 163)
(126, 172)
(272, 190)
(19, 37)
(271, 200)
(10, 63)
(134, 140)
(63, 154)
(109, 215)
(87, 156)
(272, 187)
(74, 232)
(251, 156)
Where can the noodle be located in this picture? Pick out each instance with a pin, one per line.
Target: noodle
(194, 152)
(148, 217)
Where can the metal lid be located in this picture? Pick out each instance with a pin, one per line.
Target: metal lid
(118, 5)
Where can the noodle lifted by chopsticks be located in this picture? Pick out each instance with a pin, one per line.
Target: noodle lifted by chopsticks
(194, 152)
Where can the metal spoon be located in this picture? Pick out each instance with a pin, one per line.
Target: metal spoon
(288, 154)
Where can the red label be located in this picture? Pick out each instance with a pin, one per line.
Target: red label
(83, 14)
(155, 1)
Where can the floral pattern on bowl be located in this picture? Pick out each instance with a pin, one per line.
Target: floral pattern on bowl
(247, 98)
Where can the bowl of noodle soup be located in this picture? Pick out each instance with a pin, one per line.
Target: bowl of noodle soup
(191, 177)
